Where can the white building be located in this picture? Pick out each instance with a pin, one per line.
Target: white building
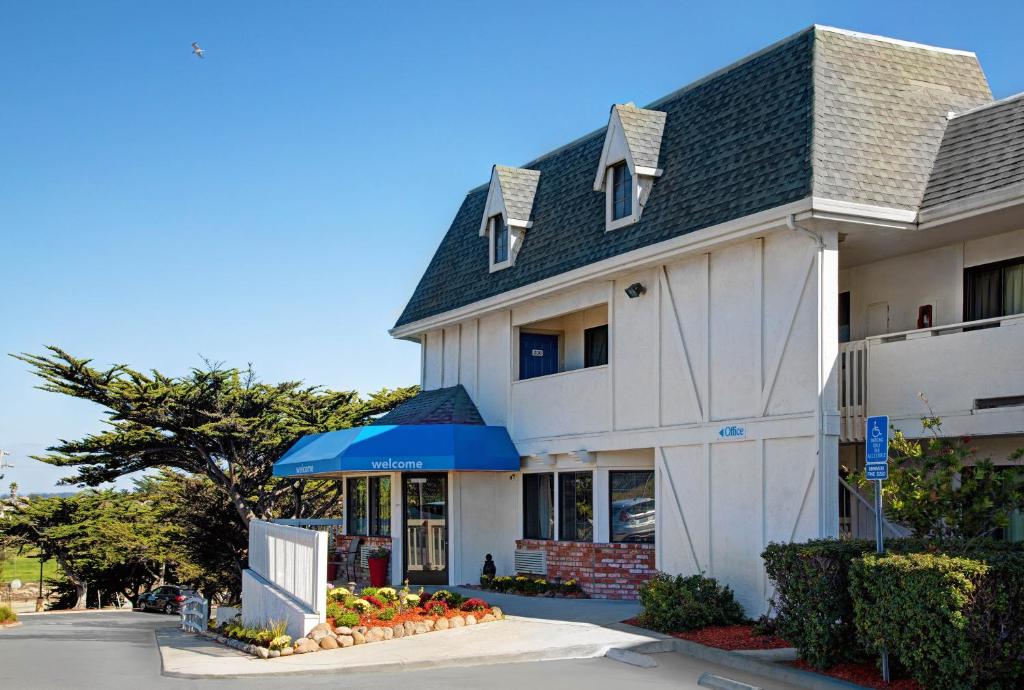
(683, 318)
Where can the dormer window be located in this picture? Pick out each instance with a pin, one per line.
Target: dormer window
(622, 191)
(499, 231)
(629, 163)
(507, 213)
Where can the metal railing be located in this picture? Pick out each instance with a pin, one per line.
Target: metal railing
(852, 529)
(195, 614)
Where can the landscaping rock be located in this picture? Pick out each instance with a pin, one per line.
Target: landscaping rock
(456, 622)
(497, 612)
(346, 640)
(410, 628)
(421, 628)
(287, 651)
(306, 645)
(262, 652)
(441, 624)
(429, 623)
(375, 634)
(388, 633)
(487, 618)
(275, 653)
(471, 619)
(342, 630)
(398, 630)
(319, 632)
(358, 637)
(363, 629)
(329, 643)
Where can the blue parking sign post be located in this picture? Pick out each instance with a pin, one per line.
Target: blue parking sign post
(876, 467)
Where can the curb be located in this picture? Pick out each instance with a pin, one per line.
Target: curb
(751, 664)
(12, 624)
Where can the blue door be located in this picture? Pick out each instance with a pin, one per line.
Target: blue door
(538, 355)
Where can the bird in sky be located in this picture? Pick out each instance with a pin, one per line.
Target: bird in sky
(197, 51)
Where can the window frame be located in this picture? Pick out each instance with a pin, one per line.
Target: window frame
(611, 222)
(492, 235)
(368, 506)
(611, 501)
(969, 289)
(587, 364)
(554, 505)
(562, 476)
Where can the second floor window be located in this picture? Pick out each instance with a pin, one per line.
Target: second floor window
(500, 230)
(622, 191)
(994, 290)
(595, 346)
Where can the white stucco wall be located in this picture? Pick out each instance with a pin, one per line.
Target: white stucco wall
(485, 510)
(726, 336)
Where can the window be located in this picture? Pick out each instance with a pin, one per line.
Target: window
(844, 317)
(994, 290)
(576, 506)
(595, 346)
(380, 506)
(632, 506)
(538, 505)
(500, 230)
(368, 506)
(355, 499)
(622, 191)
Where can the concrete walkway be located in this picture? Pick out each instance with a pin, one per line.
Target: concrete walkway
(511, 640)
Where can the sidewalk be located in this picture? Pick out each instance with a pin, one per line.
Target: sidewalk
(514, 639)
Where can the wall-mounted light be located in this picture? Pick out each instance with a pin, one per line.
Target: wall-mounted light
(635, 290)
(584, 456)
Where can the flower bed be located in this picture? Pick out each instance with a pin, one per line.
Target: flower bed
(374, 615)
(728, 637)
(533, 586)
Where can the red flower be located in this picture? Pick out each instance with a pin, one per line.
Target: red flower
(474, 605)
(436, 608)
(377, 603)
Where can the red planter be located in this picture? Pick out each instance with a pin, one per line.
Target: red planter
(378, 571)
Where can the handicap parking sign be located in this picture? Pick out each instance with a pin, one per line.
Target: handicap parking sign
(876, 445)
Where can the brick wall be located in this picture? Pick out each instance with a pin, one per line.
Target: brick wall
(363, 574)
(605, 571)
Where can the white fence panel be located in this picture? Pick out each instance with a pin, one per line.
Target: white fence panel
(195, 614)
(292, 559)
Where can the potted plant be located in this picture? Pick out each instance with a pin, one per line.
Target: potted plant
(377, 559)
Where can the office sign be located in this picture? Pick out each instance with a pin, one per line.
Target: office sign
(876, 447)
(732, 431)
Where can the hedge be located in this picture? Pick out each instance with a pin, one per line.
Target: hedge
(815, 609)
(917, 605)
(679, 603)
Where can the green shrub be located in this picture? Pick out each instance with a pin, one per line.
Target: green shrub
(386, 614)
(916, 606)
(335, 611)
(812, 602)
(953, 622)
(7, 615)
(347, 620)
(280, 642)
(452, 599)
(678, 603)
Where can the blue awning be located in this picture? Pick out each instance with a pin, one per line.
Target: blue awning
(405, 447)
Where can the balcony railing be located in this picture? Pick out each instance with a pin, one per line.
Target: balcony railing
(961, 368)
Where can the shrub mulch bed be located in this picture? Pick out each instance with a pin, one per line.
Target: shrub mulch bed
(865, 673)
(729, 637)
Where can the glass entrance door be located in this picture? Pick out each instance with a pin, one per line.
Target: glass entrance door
(425, 501)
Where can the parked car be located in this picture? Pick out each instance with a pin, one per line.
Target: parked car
(633, 520)
(168, 599)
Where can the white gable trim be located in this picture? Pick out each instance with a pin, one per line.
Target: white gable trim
(615, 150)
(494, 205)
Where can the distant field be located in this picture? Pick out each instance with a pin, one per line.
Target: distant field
(25, 568)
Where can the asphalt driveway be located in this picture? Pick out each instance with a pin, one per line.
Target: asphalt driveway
(117, 651)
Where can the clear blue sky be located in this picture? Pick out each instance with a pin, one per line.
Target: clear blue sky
(277, 202)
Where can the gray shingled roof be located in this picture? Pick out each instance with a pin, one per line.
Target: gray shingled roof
(982, 150)
(440, 406)
(643, 130)
(880, 111)
(518, 189)
(825, 113)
